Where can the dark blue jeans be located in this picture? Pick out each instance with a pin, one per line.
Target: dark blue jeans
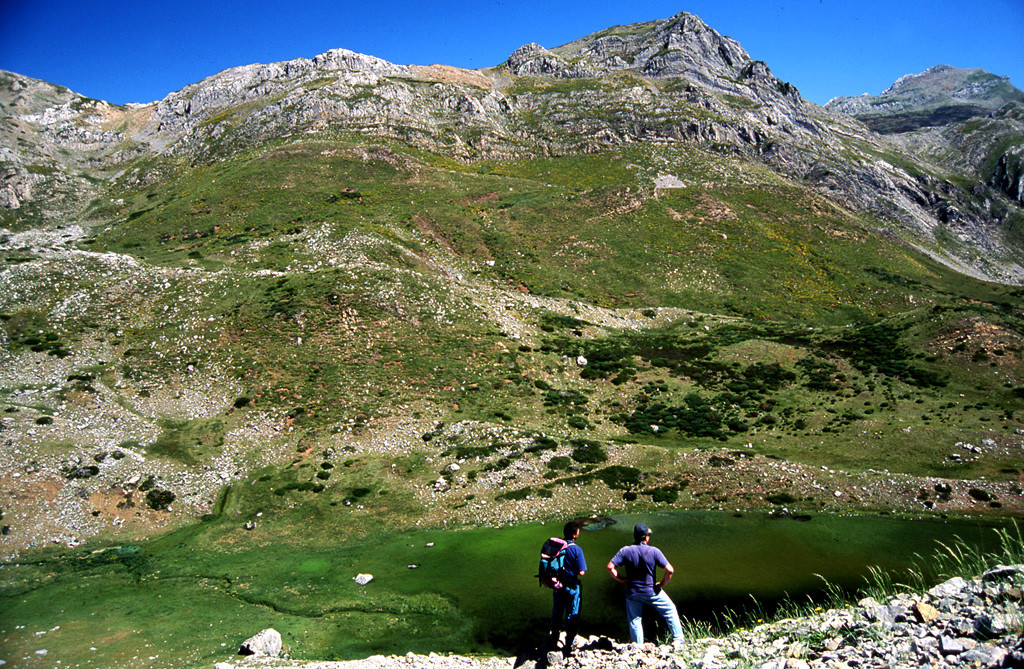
(567, 607)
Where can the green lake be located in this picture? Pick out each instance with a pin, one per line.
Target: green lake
(191, 597)
(720, 560)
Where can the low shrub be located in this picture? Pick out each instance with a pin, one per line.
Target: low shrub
(588, 452)
(159, 499)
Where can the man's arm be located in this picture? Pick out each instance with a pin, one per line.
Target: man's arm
(668, 575)
(615, 573)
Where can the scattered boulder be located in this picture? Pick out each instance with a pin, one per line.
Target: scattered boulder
(363, 579)
(266, 643)
(949, 588)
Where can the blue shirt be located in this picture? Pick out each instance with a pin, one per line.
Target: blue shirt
(641, 562)
(572, 566)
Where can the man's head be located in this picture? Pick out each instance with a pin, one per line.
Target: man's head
(640, 533)
(571, 530)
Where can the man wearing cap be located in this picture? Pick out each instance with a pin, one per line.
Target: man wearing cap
(640, 562)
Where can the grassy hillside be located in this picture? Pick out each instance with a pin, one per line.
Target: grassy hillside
(332, 343)
(340, 282)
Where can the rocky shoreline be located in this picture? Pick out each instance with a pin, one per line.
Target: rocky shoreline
(958, 623)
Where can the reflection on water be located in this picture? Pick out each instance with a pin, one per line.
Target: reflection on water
(720, 560)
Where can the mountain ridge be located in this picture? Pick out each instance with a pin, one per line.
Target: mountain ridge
(942, 86)
(727, 97)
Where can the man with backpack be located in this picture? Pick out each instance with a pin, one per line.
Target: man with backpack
(641, 562)
(569, 565)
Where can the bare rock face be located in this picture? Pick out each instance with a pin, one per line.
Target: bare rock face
(1009, 173)
(672, 80)
(15, 186)
(682, 46)
(941, 86)
(534, 60)
(267, 644)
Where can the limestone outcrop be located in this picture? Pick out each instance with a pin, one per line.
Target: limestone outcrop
(670, 81)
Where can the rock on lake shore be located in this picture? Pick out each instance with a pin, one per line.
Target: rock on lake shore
(958, 623)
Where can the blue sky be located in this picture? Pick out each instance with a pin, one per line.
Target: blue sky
(140, 51)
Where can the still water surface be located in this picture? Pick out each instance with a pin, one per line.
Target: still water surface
(720, 559)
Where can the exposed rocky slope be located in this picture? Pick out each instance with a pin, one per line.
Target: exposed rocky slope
(938, 96)
(675, 80)
(968, 121)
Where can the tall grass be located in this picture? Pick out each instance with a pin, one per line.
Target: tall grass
(949, 561)
(958, 559)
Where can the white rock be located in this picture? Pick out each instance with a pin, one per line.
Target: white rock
(363, 579)
(267, 642)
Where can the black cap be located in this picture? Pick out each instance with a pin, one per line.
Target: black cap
(640, 531)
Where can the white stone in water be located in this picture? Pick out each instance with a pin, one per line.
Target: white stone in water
(363, 579)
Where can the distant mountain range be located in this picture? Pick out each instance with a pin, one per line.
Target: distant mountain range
(938, 96)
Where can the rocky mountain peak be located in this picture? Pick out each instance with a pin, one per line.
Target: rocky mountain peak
(937, 96)
(966, 85)
(674, 81)
(680, 47)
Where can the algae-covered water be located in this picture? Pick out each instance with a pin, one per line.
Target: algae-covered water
(188, 599)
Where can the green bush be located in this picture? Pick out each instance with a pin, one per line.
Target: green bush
(780, 498)
(619, 477)
(588, 452)
(542, 443)
(561, 398)
(666, 495)
(518, 494)
(159, 499)
(303, 486)
(579, 423)
(560, 462)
